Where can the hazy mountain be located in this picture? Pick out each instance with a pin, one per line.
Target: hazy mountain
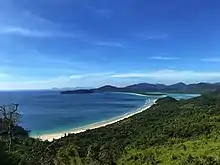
(107, 88)
(146, 87)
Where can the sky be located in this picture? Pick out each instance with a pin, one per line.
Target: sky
(89, 43)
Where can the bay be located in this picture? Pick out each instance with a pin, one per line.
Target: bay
(49, 111)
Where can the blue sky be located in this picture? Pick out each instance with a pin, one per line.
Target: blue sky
(68, 43)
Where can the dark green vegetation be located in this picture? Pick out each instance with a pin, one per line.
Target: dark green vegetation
(146, 87)
(80, 91)
(185, 132)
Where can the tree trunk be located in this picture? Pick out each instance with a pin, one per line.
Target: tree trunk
(10, 141)
(10, 133)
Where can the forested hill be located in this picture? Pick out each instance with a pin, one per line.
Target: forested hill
(146, 87)
(183, 132)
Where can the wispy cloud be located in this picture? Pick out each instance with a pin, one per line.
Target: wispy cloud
(173, 75)
(147, 36)
(110, 44)
(20, 31)
(93, 75)
(29, 15)
(23, 32)
(88, 79)
(162, 58)
(3, 75)
(61, 81)
(155, 37)
(101, 12)
(211, 59)
(49, 59)
(45, 62)
(102, 78)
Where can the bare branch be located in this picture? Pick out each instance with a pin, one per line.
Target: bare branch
(15, 108)
(10, 117)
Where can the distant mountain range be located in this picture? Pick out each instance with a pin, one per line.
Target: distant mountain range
(146, 87)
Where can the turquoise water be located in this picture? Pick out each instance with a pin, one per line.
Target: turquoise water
(49, 111)
(177, 96)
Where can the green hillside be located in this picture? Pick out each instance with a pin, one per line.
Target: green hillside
(170, 132)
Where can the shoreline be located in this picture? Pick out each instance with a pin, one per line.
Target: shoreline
(58, 135)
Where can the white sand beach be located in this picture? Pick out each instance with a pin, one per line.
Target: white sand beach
(52, 136)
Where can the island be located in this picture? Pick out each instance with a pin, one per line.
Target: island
(80, 91)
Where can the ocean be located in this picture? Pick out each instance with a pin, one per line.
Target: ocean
(46, 112)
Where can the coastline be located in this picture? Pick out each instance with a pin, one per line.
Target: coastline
(58, 135)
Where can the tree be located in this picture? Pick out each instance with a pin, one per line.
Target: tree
(10, 118)
(4, 158)
(67, 156)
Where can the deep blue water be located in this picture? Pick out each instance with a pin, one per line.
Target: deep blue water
(49, 111)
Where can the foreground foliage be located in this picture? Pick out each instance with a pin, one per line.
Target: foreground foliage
(170, 132)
